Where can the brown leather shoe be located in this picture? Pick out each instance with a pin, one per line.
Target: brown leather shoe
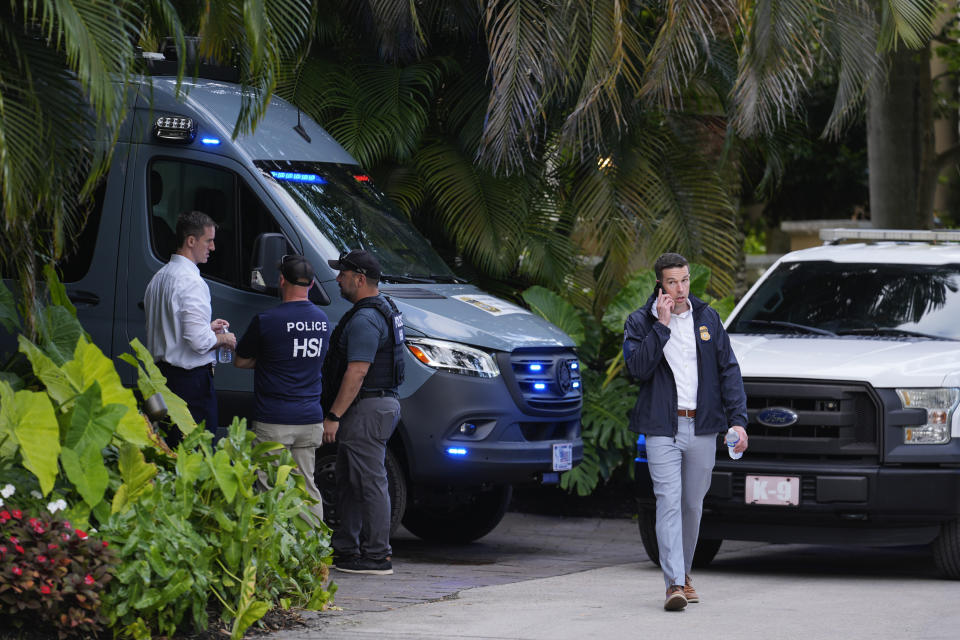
(689, 592)
(675, 599)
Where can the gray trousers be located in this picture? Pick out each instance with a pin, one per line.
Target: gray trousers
(681, 470)
(363, 497)
(302, 441)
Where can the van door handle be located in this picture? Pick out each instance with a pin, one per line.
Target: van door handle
(84, 298)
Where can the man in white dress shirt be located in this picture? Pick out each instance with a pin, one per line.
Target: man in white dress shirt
(180, 334)
(690, 390)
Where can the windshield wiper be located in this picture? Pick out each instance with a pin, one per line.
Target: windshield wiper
(444, 278)
(793, 325)
(388, 277)
(892, 331)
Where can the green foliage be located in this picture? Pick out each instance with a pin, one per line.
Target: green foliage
(547, 304)
(190, 525)
(200, 529)
(52, 576)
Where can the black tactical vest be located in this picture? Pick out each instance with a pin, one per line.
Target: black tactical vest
(386, 371)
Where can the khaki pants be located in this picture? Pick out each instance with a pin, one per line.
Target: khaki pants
(302, 441)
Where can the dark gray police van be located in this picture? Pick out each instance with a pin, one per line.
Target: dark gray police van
(492, 393)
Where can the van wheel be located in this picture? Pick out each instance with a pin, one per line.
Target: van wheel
(704, 554)
(457, 514)
(324, 475)
(946, 550)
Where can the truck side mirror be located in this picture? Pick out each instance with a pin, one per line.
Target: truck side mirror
(268, 249)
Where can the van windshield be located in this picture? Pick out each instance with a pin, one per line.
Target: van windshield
(840, 299)
(352, 213)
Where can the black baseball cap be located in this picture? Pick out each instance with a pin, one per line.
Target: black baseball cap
(296, 270)
(359, 261)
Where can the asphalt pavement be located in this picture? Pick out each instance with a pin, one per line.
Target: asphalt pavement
(547, 577)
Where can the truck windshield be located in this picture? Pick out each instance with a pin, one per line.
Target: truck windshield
(829, 298)
(352, 213)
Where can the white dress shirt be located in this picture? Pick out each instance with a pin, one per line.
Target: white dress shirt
(177, 302)
(681, 354)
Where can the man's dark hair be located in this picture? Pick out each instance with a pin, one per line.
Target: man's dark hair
(192, 223)
(668, 261)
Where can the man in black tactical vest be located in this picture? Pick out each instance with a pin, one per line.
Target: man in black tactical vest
(362, 371)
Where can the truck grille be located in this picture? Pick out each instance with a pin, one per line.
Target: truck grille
(543, 382)
(834, 420)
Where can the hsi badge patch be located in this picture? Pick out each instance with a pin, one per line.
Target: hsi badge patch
(704, 334)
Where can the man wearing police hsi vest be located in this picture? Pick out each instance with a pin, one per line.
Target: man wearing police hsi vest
(286, 346)
(364, 369)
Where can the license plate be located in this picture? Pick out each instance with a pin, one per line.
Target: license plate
(563, 456)
(775, 490)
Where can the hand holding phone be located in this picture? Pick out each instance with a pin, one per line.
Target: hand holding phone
(664, 304)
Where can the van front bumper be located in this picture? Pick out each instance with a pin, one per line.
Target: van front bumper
(500, 444)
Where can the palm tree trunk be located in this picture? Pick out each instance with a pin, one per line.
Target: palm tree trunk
(900, 150)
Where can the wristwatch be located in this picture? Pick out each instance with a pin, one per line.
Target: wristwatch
(332, 416)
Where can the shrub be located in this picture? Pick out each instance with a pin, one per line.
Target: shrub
(51, 574)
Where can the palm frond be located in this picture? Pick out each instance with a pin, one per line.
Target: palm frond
(684, 46)
(611, 51)
(909, 21)
(778, 57)
(515, 31)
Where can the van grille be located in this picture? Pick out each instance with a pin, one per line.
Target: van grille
(544, 381)
(834, 420)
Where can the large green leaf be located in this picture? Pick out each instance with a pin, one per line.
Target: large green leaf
(249, 610)
(699, 279)
(630, 297)
(59, 333)
(150, 381)
(87, 473)
(8, 438)
(57, 381)
(223, 472)
(38, 434)
(553, 308)
(90, 365)
(137, 475)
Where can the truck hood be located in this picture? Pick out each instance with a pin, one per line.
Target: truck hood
(464, 313)
(880, 362)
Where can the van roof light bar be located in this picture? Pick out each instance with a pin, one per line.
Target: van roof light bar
(175, 129)
(835, 236)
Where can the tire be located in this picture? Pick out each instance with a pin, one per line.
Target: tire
(946, 550)
(324, 474)
(457, 515)
(704, 554)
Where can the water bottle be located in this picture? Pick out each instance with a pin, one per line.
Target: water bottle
(732, 438)
(224, 353)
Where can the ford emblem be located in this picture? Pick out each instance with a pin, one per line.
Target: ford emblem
(777, 417)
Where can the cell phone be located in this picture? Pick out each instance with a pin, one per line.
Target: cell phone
(657, 289)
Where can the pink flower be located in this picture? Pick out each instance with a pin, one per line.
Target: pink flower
(13, 540)
(41, 559)
(17, 571)
(3, 549)
(88, 579)
(53, 545)
(44, 589)
(4, 515)
(32, 521)
(66, 523)
(105, 544)
(17, 514)
(65, 536)
(18, 548)
(81, 534)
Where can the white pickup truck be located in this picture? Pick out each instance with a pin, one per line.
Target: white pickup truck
(850, 354)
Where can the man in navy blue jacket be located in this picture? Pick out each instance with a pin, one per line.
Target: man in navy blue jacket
(690, 390)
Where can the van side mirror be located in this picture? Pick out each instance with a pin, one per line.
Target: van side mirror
(268, 249)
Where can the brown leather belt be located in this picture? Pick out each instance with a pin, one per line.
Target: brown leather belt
(687, 413)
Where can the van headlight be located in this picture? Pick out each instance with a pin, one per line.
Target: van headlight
(453, 357)
(940, 404)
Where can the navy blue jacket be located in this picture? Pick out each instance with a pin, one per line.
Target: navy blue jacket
(721, 400)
